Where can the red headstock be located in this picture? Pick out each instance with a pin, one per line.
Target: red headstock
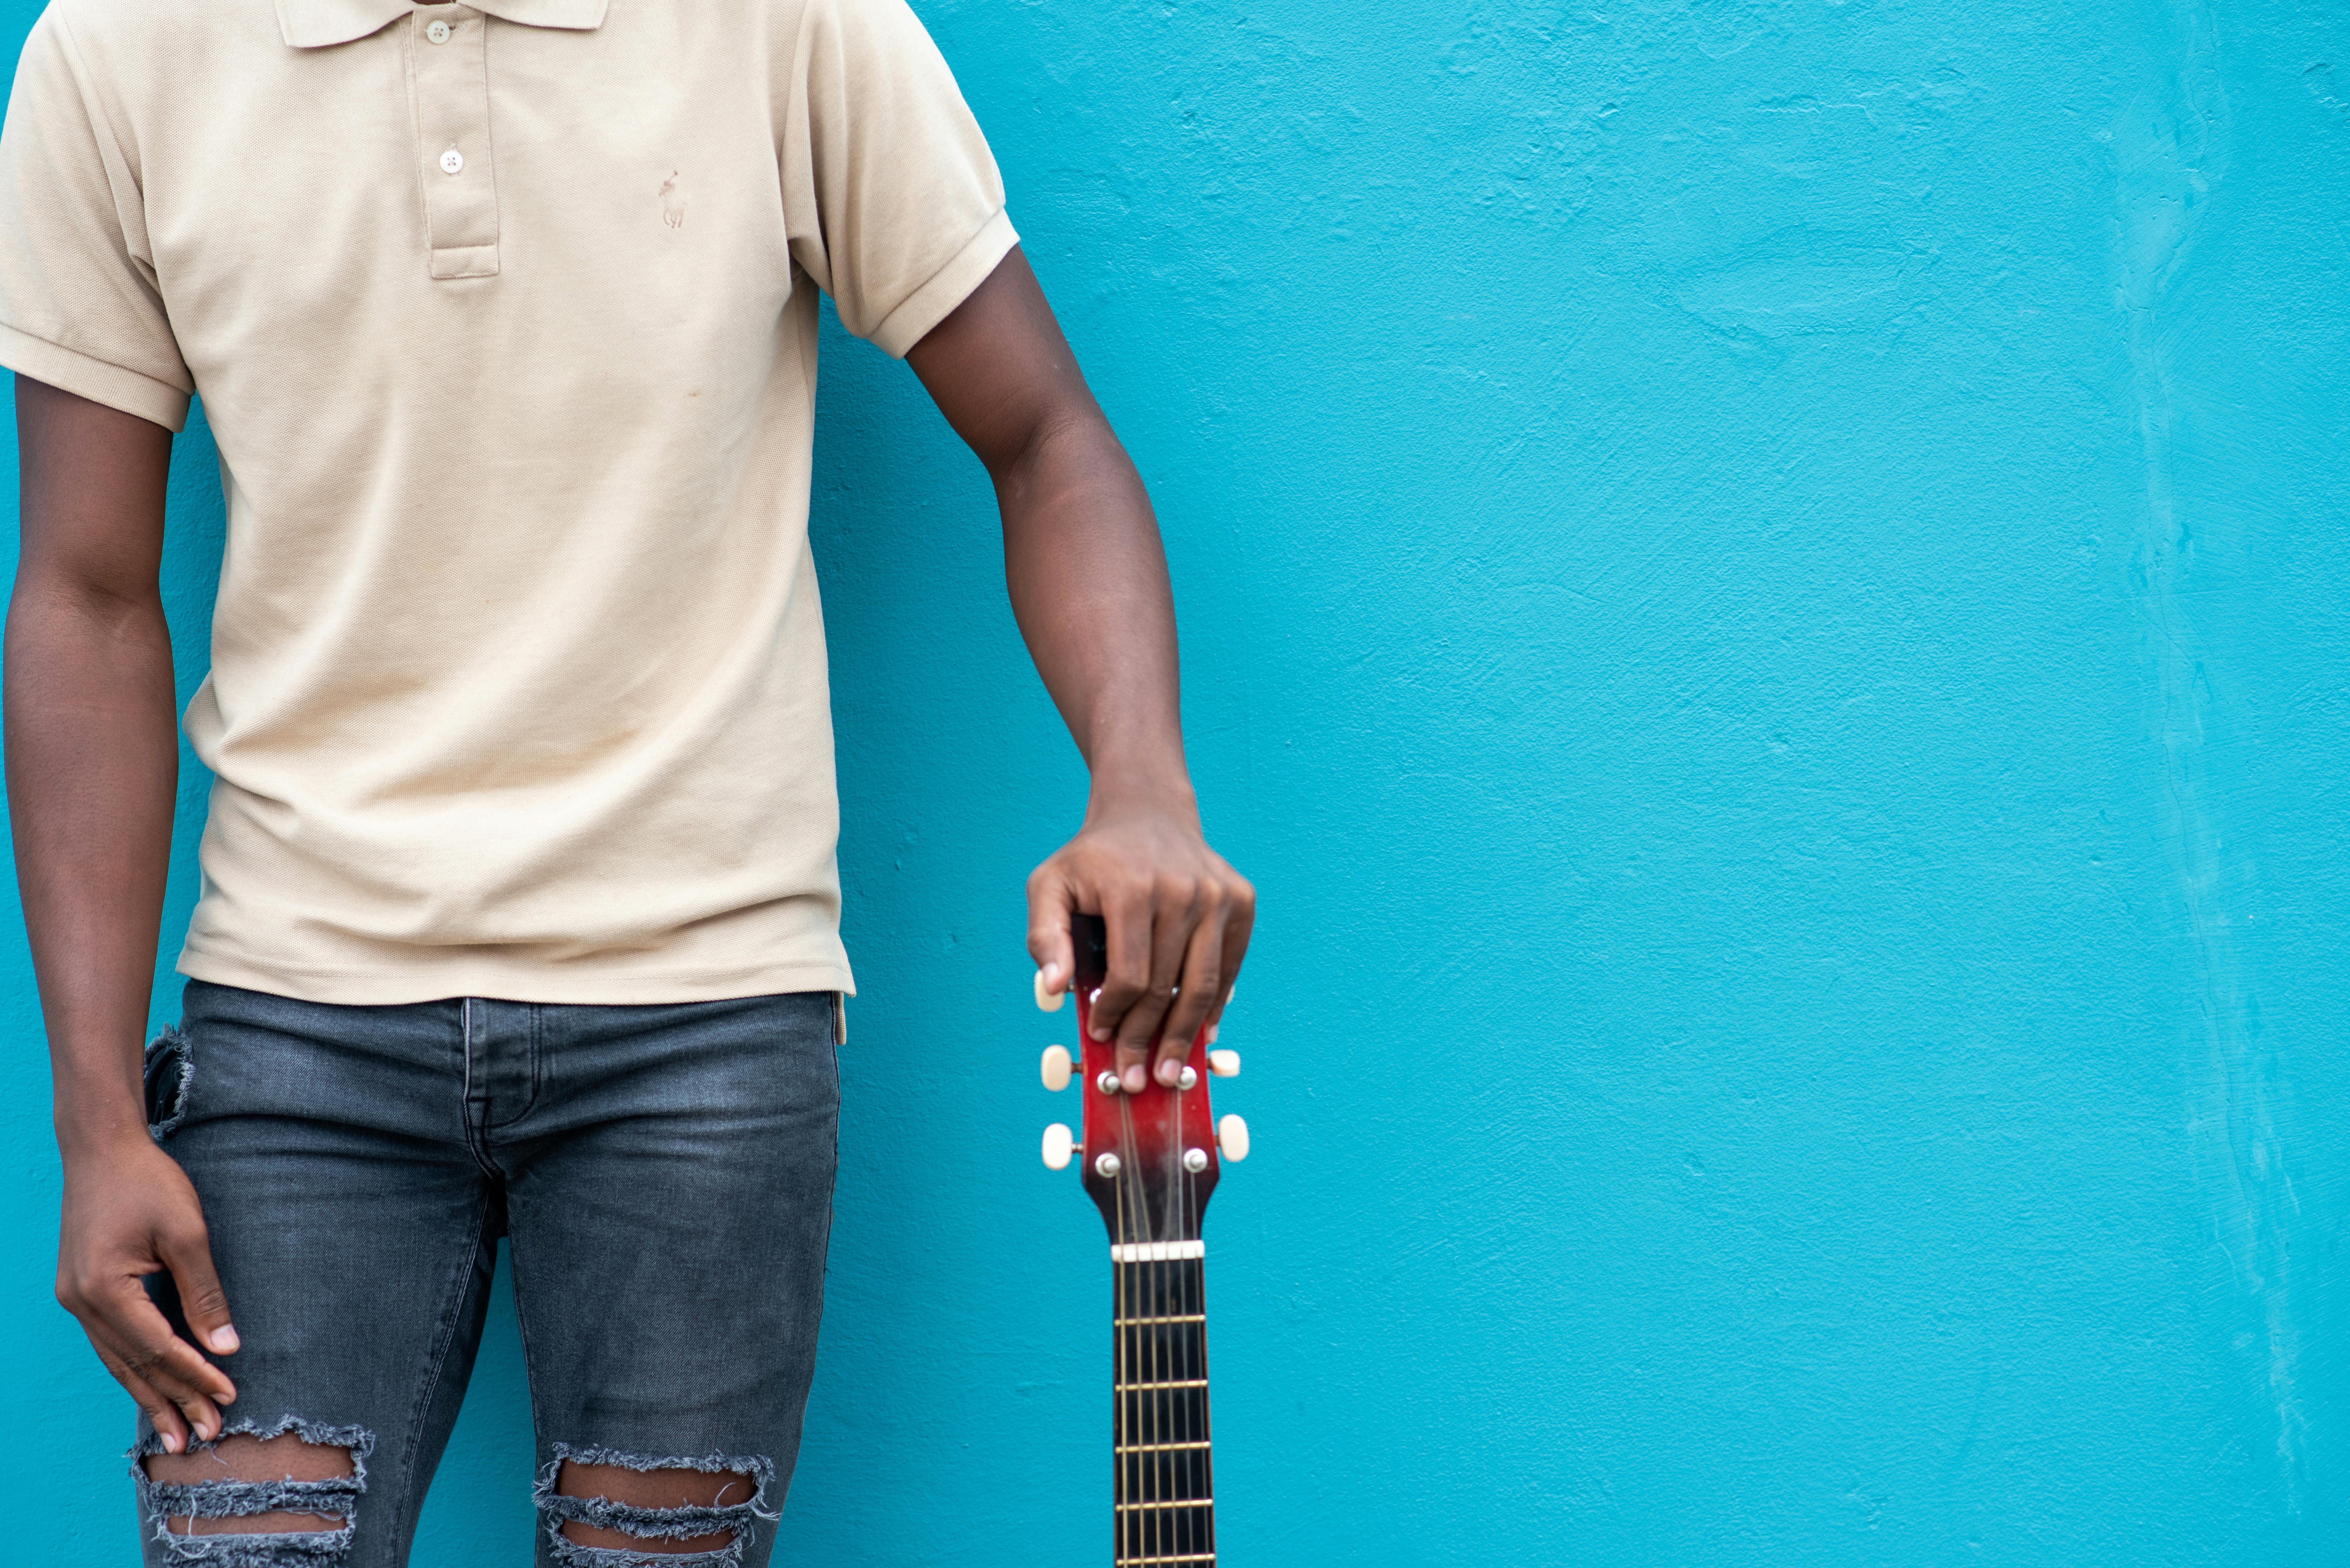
(1150, 1158)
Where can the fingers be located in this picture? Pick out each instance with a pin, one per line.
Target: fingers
(1177, 922)
(201, 1301)
(179, 1389)
(1199, 991)
(1125, 1006)
(1175, 915)
(160, 1412)
(1052, 901)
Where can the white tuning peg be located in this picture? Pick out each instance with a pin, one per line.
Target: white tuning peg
(1058, 1067)
(1050, 1000)
(1224, 1064)
(1059, 1141)
(1232, 1138)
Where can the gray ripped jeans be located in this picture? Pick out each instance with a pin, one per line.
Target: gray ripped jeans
(664, 1174)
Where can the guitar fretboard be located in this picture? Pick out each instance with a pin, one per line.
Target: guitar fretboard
(1166, 1508)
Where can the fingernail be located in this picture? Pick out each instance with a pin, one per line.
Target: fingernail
(1211, 1033)
(1135, 1079)
(1168, 1069)
(171, 1442)
(223, 1340)
(1052, 977)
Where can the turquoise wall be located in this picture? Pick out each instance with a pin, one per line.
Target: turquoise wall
(1763, 597)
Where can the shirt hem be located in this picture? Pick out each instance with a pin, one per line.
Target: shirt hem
(949, 287)
(99, 380)
(438, 979)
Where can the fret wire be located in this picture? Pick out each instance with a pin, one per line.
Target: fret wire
(1188, 1557)
(1180, 1317)
(1179, 1503)
(1150, 1447)
(1179, 1383)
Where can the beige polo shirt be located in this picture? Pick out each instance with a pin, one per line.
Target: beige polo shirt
(503, 316)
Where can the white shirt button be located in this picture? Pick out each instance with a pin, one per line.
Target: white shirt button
(437, 31)
(452, 160)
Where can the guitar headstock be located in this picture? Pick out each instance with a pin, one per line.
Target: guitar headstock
(1150, 1158)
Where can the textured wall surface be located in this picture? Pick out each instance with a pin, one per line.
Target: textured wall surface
(1764, 600)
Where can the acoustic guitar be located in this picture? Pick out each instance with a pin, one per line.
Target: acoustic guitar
(1149, 1162)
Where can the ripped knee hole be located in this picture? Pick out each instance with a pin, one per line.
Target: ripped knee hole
(599, 1502)
(297, 1479)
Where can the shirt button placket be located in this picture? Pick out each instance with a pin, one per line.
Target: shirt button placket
(449, 68)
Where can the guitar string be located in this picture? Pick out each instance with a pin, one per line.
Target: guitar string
(1179, 1409)
(1163, 1403)
(1180, 1429)
(1152, 1397)
(1132, 1406)
(1121, 1376)
(1141, 1437)
(1130, 1375)
(1200, 1535)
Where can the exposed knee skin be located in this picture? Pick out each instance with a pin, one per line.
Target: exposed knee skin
(605, 1507)
(651, 1489)
(244, 1457)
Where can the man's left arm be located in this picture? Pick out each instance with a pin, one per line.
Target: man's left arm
(1088, 582)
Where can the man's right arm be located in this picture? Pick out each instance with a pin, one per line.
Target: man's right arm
(92, 767)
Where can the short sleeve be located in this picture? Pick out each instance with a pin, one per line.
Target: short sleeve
(79, 304)
(890, 196)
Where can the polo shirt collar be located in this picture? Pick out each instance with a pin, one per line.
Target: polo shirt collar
(312, 24)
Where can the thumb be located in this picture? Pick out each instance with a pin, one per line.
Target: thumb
(188, 1256)
(1051, 899)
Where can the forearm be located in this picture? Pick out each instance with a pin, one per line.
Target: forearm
(92, 765)
(1088, 581)
(1089, 586)
(92, 753)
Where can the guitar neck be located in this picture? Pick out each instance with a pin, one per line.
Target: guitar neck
(1166, 1502)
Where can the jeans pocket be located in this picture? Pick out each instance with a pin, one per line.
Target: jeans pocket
(170, 1068)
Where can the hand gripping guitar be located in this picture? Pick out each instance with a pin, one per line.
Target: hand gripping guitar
(1150, 1161)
